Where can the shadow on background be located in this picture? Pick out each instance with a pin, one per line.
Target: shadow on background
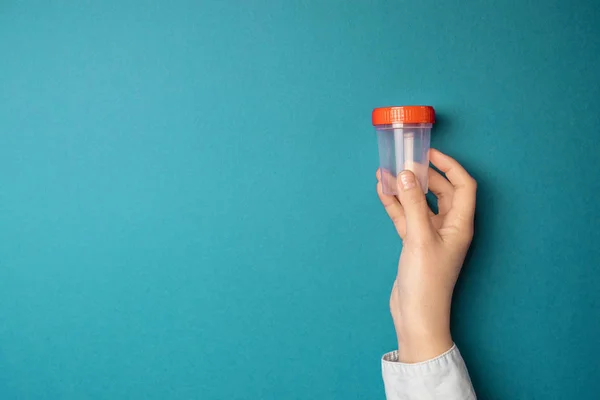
(473, 289)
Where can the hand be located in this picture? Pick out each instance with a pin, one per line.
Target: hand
(434, 249)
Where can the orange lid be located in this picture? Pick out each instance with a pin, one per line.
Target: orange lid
(403, 115)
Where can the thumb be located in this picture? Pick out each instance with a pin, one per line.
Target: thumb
(416, 210)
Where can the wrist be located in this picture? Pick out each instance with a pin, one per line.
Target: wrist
(417, 347)
(423, 333)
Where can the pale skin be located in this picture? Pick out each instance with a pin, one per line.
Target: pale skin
(433, 252)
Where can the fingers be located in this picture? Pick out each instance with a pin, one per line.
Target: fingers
(392, 207)
(465, 187)
(442, 189)
(416, 210)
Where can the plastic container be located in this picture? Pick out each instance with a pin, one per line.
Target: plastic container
(403, 135)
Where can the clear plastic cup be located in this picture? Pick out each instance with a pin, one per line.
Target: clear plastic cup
(403, 135)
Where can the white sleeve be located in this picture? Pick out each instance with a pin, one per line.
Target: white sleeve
(443, 377)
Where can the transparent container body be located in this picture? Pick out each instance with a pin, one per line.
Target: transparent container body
(403, 147)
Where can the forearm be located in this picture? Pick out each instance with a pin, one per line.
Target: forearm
(427, 364)
(422, 323)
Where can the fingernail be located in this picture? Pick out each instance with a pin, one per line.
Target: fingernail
(408, 180)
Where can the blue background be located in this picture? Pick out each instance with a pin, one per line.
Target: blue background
(188, 207)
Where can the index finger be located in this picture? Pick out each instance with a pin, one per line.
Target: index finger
(465, 187)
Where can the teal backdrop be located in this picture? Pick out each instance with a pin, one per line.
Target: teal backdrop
(188, 206)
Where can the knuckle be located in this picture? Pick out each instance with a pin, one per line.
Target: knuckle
(472, 183)
(416, 197)
(466, 233)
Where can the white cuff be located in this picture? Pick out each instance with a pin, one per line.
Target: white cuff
(443, 377)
